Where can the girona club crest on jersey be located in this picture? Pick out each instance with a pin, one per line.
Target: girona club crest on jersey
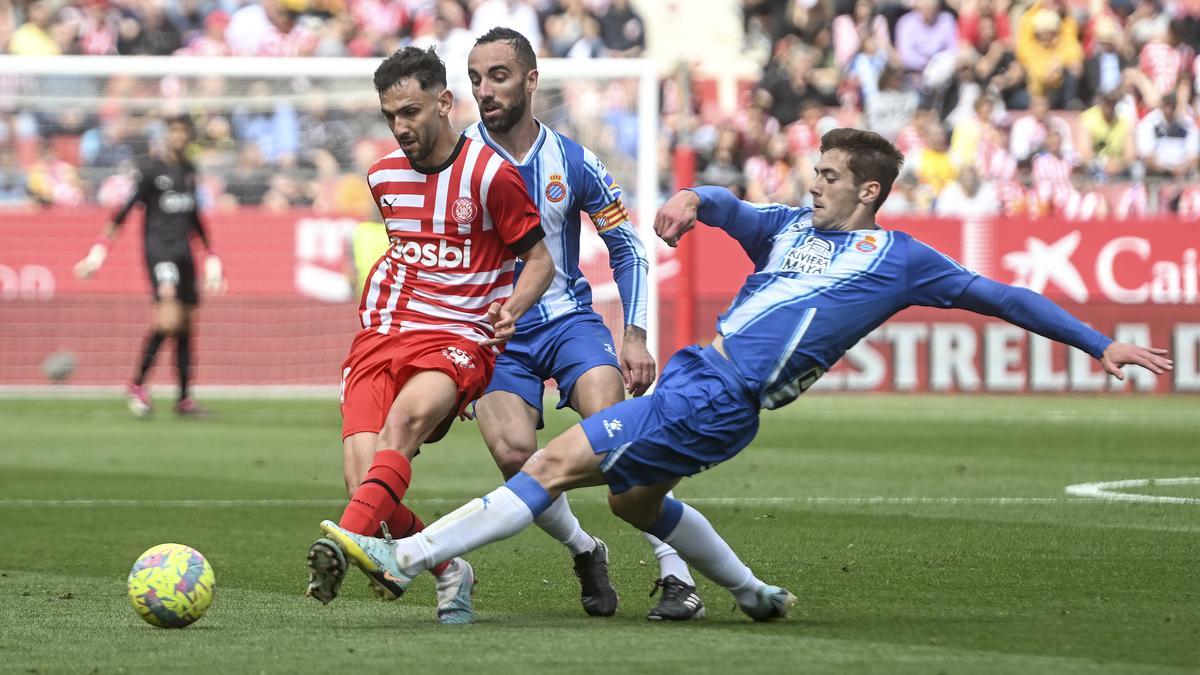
(465, 210)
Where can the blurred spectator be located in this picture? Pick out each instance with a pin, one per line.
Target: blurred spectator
(892, 107)
(212, 41)
(967, 197)
(1081, 203)
(1106, 139)
(804, 136)
(998, 67)
(851, 32)
(867, 66)
(923, 33)
(795, 83)
(1053, 60)
(565, 27)
(97, 29)
(967, 135)
(1165, 59)
(248, 179)
(932, 165)
(148, 33)
(270, 124)
(622, 30)
(1102, 70)
(1029, 132)
(1052, 170)
(515, 14)
(54, 182)
(1167, 140)
(110, 144)
(453, 43)
(116, 188)
(807, 21)
(269, 29)
(970, 12)
(754, 124)
(724, 169)
(770, 177)
(32, 38)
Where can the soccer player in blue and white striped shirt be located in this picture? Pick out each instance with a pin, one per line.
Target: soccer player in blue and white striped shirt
(562, 337)
(823, 278)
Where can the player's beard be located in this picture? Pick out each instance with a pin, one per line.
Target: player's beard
(510, 115)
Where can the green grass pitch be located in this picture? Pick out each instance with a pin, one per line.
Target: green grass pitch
(922, 535)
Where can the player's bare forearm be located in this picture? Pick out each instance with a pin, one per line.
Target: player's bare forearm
(637, 364)
(534, 280)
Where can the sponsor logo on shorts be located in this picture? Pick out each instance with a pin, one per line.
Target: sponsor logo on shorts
(166, 273)
(609, 348)
(458, 357)
(465, 210)
(613, 426)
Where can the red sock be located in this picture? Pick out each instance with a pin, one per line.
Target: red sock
(379, 495)
(405, 523)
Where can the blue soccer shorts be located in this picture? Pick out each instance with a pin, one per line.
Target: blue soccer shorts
(563, 349)
(701, 414)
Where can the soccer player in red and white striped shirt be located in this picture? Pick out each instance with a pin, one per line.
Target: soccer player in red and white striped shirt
(434, 312)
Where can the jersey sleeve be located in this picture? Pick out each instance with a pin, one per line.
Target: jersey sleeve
(601, 199)
(752, 225)
(142, 179)
(1031, 311)
(513, 212)
(934, 279)
(601, 195)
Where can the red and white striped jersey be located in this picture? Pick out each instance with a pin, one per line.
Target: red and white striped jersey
(454, 232)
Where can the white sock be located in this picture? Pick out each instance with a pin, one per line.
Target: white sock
(560, 523)
(700, 545)
(669, 562)
(498, 515)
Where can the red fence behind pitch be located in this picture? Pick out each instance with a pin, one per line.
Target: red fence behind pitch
(290, 314)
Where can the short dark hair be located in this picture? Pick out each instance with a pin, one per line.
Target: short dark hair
(182, 119)
(519, 43)
(422, 64)
(872, 157)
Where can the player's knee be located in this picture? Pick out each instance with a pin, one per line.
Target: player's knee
(632, 511)
(403, 427)
(511, 456)
(554, 470)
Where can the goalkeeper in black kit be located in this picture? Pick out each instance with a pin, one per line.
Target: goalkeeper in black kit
(166, 187)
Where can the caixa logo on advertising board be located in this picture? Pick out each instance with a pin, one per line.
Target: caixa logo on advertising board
(1126, 269)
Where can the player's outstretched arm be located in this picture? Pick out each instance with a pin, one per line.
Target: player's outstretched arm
(752, 225)
(1034, 312)
(98, 252)
(535, 278)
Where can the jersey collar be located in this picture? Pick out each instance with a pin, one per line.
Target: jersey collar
(533, 149)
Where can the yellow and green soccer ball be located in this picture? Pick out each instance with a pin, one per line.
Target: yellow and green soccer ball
(171, 585)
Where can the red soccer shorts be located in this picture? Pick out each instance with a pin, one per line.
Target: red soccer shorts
(379, 364)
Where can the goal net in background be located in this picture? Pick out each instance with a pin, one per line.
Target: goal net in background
(282, 149)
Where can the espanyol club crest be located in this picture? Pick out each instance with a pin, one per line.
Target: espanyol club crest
(867, 245)
(458, 357)
(556, 190)
(464, 210)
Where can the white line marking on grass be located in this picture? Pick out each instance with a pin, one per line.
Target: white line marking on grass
(732, 501)
(1106, 490)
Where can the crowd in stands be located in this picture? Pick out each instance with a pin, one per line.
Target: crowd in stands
(1075, 109)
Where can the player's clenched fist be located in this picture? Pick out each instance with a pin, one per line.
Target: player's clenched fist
(676, 217)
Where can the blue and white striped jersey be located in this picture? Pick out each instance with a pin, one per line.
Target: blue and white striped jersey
(565, 179)
(815, 293)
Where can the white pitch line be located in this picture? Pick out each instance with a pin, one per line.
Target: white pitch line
(1106, 490)
(732, 501)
